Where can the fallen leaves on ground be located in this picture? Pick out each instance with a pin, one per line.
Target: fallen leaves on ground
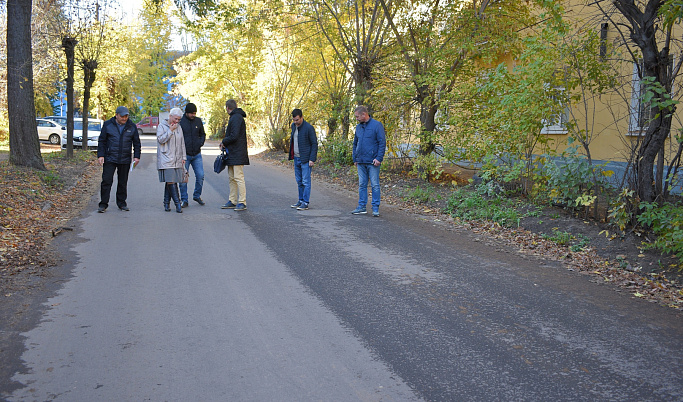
(654, 287)
(36, 206)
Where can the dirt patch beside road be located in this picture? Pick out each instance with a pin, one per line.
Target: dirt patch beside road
(36, 206)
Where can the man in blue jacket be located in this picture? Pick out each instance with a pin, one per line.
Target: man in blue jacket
(369, 144)
(194, 135)
(303, 149)
(117, 139)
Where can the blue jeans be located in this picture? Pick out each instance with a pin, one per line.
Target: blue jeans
(302, 174)
(198, 167)
(365, 171)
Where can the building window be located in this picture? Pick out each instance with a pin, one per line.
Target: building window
(639, 111)
(603, 40)
(557, 123)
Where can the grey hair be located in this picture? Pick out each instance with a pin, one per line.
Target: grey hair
(176, 112)
(361, 109)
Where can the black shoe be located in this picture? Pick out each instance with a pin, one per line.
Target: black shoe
(302, 207)
(199, 200)
(185, 204)
(101, 209)
(297, 205)
(124, 208)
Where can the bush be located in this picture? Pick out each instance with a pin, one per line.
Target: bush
(622, 210)
(666, 221)
(571, 182)
(336, 151)
(4, 137)
(486, 202)
(278, 140)
(510, 174)
(4, 130)
(427, 166)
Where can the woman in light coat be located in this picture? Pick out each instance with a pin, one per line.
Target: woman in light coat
(171, 157)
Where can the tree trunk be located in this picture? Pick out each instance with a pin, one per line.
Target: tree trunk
(331, 127)
(428, 125)
(69, 44)
(654, 142)
(428, 109)
(89, 67)
(643, 28)
(363, 78)
(346, 126)
(340, 117)
(333, 121)
(21, 110)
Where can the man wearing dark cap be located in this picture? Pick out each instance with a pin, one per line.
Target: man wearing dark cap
(193, 132)
(117, 139)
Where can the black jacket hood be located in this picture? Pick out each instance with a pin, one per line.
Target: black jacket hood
(239, 111)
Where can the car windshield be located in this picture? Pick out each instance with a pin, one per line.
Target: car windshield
(92, 126)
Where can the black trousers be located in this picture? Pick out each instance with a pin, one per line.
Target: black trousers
(108, 170)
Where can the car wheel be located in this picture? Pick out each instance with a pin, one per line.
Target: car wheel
(54, 139)
(140, 131)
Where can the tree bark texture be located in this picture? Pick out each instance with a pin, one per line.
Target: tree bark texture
(428, 109)
(89, 67)
(21, 109)
(362, 75)
(642, 26)
(69, 44)
(340, 116)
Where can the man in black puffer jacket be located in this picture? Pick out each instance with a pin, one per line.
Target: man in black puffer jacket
(193, 132)
(235, 142)
(117, 139)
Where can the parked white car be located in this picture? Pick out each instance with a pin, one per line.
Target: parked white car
(94, 129)
(50, 131)
(59, 119)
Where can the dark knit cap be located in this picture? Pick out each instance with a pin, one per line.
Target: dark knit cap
(191, 108)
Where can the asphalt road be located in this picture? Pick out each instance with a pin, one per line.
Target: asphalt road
(272, 304)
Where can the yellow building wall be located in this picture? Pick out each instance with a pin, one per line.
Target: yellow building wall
(609, 123)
